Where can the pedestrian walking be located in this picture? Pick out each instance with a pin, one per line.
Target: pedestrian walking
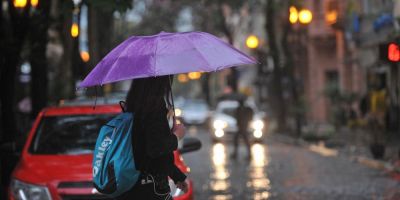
(243, 115)
(156, 138)
(150, 99)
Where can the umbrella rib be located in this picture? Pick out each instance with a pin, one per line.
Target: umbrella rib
(155, 57)
(204, 58)
(232, 47)
(119, 55)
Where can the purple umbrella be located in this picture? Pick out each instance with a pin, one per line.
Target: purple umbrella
(165, 54)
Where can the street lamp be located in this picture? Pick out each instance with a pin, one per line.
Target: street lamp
(19, 3)
(252, 42)
(34, 3)
(74, 30)
(293, 15)
(75, 19)
(183, 78)
(331, 17)
(85, 56)
(194, 75)
(305, 16)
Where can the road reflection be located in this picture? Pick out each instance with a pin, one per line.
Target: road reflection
(220, 174)
(256, 182)
(258, 179)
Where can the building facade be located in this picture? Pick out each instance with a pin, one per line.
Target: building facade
(342, 46)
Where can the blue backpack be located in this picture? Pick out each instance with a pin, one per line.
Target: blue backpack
(114, 170)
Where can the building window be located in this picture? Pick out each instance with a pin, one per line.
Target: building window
(332, 80)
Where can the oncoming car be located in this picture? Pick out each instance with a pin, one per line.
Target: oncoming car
(193, 112)
(224, 126)
(56, 161)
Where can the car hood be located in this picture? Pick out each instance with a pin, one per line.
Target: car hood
(45, 169)
(231, 121)
(54, 168)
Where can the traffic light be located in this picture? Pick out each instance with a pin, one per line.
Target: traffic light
(393, 52)
(390, 52)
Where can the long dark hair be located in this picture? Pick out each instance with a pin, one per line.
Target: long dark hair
(148, 95)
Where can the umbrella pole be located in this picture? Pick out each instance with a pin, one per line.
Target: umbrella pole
(172, 101)
(95, 100)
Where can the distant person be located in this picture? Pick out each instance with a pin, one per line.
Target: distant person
(243, 115)
(155, 139)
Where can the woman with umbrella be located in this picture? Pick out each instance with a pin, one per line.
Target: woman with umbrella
(154, 142)
(156, 57)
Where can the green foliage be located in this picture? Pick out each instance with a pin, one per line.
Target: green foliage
(112, 5)
(235, 4)
(333, 93)
(340, 103)
(300, 107)
(157, 19)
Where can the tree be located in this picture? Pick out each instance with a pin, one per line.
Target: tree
(38, 37)
(217, 17)
(278, 102)
(14, 28)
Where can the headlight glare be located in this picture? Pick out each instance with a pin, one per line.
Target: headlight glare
(25, 191)
(219, 133)
(178, 112)
(258, 125)
(257, 134)
(220, 124)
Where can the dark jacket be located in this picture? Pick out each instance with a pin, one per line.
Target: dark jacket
(243, 115)
(154, 144)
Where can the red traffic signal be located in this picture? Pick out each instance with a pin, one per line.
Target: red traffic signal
(393, 54)
(389, 52)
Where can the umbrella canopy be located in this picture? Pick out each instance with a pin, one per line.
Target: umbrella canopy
(165, 54)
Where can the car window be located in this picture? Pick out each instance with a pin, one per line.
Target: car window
(73, 134)
(229, 111)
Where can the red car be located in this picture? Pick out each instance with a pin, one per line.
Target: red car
(56, 161)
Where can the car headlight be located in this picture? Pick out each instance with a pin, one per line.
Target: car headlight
(257, 134)
(219, 133)
(175, 192)
(178, 112)
(257, 125)
(25, 191)
(220, 124)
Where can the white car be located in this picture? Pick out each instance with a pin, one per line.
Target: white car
(224, 126)
(193, 112)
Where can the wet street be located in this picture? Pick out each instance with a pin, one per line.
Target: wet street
(281, 171)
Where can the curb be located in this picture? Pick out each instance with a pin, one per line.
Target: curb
(372, 163)
(376, 164)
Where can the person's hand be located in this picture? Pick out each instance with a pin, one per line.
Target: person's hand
(179, 130)
(183, 186)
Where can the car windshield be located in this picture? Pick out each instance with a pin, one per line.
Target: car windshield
(195, 107)
(73, 134)
(229, 111)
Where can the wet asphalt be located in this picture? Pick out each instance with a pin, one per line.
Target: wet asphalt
(279, 170)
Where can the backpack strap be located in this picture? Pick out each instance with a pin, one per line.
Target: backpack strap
(122, 104)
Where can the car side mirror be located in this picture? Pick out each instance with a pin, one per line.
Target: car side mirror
(190, 144)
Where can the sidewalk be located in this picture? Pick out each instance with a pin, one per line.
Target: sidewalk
(353, 144)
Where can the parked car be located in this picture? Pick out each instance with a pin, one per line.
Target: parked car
(223, 123)
(56, 161)
(194, 112)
